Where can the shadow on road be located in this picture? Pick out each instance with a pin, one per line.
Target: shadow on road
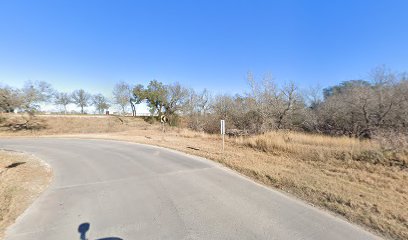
(84, 227)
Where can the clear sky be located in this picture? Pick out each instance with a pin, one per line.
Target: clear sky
(201, 44)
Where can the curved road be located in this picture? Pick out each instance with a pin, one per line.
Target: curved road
(116, 190)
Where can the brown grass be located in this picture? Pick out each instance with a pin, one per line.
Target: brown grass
(61, 124)
(22, 179)
(311, 147)
(347, 176)
(330, 172)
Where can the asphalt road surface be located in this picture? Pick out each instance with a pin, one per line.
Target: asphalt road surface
(116, 190)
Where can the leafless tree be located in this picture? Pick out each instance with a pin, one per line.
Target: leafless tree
(122, 93)
(289, 107)
(63, 99)
(361, 108)
(10, 99)
(267, 99)
(177, 97)
(81, 99)
(274, 107)
(35, 93)
(100, 103)
(28, 99)
(196, 108)
(313, 96)
(176, 100)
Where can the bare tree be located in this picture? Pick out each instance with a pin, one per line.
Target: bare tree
(362, 108)
(265, 98)
(203, 103)
(122, 93)
(10, 99)
(197, 107)
(63, 99)
(223, 106)
(100, 102)
(81, 99)
(290, 103)
(177, 96)
(28, 99)
(268, 102)
(313, 96)
(34, 93)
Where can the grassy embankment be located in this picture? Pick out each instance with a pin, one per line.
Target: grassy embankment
(22, 179)
(355, 179)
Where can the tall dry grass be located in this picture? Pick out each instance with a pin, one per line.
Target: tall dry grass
(318, 147)
(303, 144)
(351, 177)
(187, 133)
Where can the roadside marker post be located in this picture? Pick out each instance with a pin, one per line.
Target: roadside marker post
(223, 134)
(163, 120)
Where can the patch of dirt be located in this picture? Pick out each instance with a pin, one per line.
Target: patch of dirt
(22, 179)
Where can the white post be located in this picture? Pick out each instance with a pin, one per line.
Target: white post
(223, 134)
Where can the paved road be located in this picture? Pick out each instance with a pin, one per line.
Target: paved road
(115, 190)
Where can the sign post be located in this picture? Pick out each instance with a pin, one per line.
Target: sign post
(223, 133)
(163, 120)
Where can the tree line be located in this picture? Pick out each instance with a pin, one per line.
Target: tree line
(35, 93)
(358, 108)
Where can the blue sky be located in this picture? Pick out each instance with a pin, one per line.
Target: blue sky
(201, 44)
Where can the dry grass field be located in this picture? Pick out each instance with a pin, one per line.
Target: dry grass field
(355, 179)
(22, 179)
